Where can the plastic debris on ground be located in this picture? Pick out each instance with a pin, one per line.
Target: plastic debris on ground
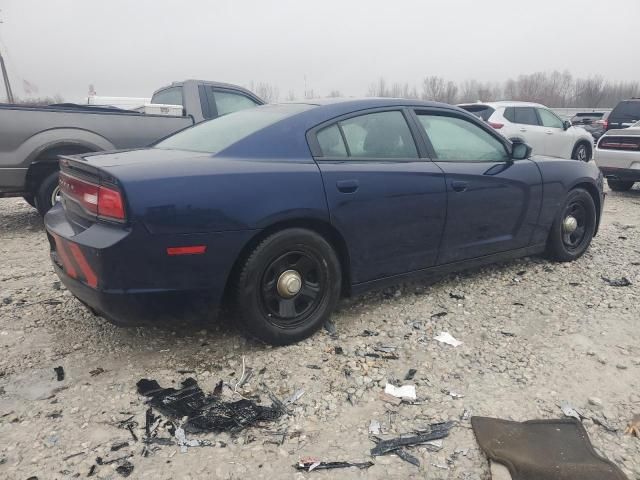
(569, 411)
(435, 431)
(405, 392)
(374, 427)
(617, 282)
(96, 371)
(310, 464)
(125, 469)
(410, 374)
(446, 337)
(633, 427)
(452, 393)
(207, 413)
(59, 373)
(294, 398)
(183, 443)
(457, 295)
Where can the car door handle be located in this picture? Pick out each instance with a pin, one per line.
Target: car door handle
(548, 132)
(347, 186)
(459, 186)
(523, 129)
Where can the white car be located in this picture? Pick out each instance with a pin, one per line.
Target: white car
(545, 132)
(618, 157)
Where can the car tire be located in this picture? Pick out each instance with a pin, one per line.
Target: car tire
(619, 185)
(582, 152)
(288, 286)
(48, 189)
(568, 241)
(30, 200)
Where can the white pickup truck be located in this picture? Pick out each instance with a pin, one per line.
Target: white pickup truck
(618, 157)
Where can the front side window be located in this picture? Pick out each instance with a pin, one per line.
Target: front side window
(228, 102)
(549, 119)
(455, 139)
(169, 96)
(379, 135)
(525, 116)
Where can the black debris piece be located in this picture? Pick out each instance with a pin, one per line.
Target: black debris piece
(574, 284)
(262, 370)
(64, 459)
(521, 272)
(518, 304)
(92, 471)
(59, 373)
(313, 367)
(217, 390)
(407, 457)
(369, 333)
(441, 314)
(617, 282)
(435, 432)
(101, 461)
(206, 412)
(125, 469)
(56, 414)
(184, 372)
(133, 435)
(150, 420)
(96, 371)
(457, 296)
(410, 374)
(310, 464)
(507, 334)
(622, 237)
(117, 446)
(338, 351)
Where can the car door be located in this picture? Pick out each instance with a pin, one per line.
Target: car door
(559, 142)
(386, 200)
(492, 201)
(526, 126)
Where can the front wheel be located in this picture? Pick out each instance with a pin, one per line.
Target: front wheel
(619, 185)
(288, 286)
(573, 228)
(582, 152)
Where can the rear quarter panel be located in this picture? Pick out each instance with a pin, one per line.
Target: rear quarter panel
(558, 177)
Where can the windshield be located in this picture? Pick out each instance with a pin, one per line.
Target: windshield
(217, 134)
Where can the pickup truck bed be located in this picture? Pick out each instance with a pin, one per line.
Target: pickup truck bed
(32, 138)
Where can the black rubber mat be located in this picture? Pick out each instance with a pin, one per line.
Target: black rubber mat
(543, 449)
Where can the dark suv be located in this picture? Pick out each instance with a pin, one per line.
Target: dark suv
(593, 122)
(626, 113)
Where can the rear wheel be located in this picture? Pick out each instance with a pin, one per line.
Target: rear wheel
(30, 200)
(619, 185)
(48, 193)
(582, 152)
(573, 228)
(288, 286)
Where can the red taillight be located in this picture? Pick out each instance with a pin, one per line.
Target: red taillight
(110, 203)
(95, 199)
(496, 125)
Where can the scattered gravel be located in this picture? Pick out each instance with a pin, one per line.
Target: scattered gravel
(535, 334)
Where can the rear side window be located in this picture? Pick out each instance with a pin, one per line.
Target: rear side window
(169, 96)
(525, 116)
(228, 102)
(331, 143)
(480, 111)
(626, 110)
(455, 139)
(379, 135)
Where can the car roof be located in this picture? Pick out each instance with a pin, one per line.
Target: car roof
(504, 103)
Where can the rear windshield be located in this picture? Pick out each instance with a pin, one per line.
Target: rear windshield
(627, 110)
(480, 111)
(215, 135)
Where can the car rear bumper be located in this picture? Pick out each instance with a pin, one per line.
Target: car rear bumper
(623, 174)
(128, 276)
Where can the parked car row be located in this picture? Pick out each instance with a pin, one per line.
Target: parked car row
(538, 126)
(32, 138)
(279, 210)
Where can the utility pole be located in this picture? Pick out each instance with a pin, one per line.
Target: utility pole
(5, 76)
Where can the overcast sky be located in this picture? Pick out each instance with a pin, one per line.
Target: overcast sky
(130, 48)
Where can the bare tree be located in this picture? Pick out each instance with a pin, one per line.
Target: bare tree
(269, 93)
(335, 94)
(291, 96)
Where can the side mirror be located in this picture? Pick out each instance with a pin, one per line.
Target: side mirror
(566, 124)
(520, 151)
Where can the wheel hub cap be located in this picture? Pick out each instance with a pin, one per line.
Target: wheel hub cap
(289, 283)
(570, 224)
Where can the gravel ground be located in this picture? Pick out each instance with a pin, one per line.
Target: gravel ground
(535, 334)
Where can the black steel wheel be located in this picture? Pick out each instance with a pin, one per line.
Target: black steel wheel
(288, 286)
(574, 227)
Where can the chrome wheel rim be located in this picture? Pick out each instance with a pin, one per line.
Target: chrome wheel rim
(582, 153)
(55, 195)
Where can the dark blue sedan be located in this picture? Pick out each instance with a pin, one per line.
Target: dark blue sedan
(282, 209)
